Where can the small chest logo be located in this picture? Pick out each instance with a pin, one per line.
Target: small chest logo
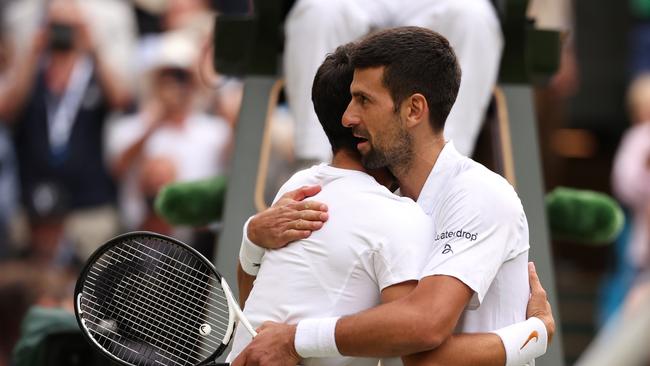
(447, 249)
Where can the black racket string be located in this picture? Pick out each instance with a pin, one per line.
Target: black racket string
(131, 308)
(154, 282)
(193, 290)
(146, 316)
(140, 309)
(150, 298)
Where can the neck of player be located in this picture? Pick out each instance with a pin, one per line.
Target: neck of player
(412, 176)
(347, 159)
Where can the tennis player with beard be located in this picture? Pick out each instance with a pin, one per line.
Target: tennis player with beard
(371, 250)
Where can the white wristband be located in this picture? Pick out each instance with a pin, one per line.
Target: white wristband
(523, 341)
(250, 255)
(316, 338)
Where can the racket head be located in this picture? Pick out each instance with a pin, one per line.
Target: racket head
(147, 299)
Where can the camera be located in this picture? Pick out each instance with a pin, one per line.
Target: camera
(61, 37)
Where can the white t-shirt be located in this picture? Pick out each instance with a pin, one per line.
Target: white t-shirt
(372, 240)
(481, 239)
(198, 151)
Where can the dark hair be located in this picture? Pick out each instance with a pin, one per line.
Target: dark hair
(416, 60)
(330, 94)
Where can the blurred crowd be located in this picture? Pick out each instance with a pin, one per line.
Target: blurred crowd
(101, 104)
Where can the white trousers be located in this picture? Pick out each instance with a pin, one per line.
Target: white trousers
(316, 27)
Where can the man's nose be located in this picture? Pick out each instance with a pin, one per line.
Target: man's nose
(350, 118)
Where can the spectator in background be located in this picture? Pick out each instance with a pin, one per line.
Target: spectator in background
(217, 95)
(631, 181)
(191, 16)
(111, 24)
(168, 139)
(57, 99)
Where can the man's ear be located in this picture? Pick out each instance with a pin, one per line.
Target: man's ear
(415, 110)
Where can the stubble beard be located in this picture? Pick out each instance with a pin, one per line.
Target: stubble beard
(397, 155)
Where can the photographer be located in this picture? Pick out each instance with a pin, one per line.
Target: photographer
(168, 139)
(57, 99)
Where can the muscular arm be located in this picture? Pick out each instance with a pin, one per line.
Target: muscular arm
(274, 344)
(484, 349)
(414, 323)
(481, 349)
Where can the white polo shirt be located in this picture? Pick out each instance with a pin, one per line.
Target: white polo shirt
(372, 240)
(481, 238)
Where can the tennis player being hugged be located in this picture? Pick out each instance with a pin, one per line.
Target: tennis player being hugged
(469, 247)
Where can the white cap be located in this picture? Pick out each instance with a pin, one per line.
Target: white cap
(175, 49)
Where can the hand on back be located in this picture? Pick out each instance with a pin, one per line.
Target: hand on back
(291, 218)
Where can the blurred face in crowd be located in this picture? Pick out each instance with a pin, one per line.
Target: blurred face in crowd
(174, 88)
(373, 118)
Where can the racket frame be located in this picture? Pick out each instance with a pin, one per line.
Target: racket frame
(234, 311)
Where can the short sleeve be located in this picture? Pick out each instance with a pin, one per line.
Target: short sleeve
(404, 247)
(477, 230)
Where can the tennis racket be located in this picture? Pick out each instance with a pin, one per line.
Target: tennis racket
(147, 299)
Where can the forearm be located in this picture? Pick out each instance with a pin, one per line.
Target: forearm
(417, 322)
(126, 159)
(391, 330)
(117, 95)
(245, 284)
(484, 349)
(15, 92)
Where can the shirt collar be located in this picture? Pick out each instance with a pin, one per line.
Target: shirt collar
(443, 170)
